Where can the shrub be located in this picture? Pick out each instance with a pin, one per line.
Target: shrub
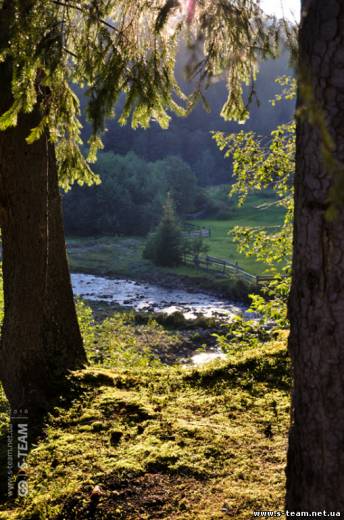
(165, 246)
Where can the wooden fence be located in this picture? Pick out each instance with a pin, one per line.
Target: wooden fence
(265, 278)
(203, 233)
(218, 265)
(226, 268)
(193, 231)
(222, 267)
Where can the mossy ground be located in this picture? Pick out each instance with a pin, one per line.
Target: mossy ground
(154, 441)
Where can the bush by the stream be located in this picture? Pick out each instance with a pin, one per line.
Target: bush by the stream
(165, 246)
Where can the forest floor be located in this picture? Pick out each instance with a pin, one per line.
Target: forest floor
(146, 440)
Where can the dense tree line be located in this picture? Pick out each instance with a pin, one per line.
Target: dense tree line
(130, 199)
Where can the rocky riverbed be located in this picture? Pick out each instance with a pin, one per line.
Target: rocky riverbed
(120, 293)
(142, 296)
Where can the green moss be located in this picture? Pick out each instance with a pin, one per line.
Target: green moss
(95, 377)
(165, 442)
(267, 364)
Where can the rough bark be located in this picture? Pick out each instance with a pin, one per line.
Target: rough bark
(40, 341)
(315, 467)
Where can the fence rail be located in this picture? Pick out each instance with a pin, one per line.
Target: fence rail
(264, 278)
(222, 267)
(226, 268)
(194, 233)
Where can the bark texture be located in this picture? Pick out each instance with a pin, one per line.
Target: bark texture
(40, 341)
(315, 470)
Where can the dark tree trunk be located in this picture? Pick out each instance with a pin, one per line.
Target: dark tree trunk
(315, 471)
(41, 341)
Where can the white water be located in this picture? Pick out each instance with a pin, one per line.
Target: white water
(206, 357)
(147, 297)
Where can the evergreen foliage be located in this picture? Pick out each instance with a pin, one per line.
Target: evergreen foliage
(115, 47)
(190, 138)
(165, 246)
(180, 181)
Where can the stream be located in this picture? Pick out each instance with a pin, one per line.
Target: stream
(143, 296)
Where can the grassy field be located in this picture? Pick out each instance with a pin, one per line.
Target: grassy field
(120, 256)
(148, 441)
(123, 255)
(221, 244)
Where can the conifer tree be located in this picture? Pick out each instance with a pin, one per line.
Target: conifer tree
(110, 48)
(165, 246)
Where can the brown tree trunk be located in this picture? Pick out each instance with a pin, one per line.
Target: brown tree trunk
(40, 341)
(315, 470)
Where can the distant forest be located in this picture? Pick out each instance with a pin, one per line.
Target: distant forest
(134, 186)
